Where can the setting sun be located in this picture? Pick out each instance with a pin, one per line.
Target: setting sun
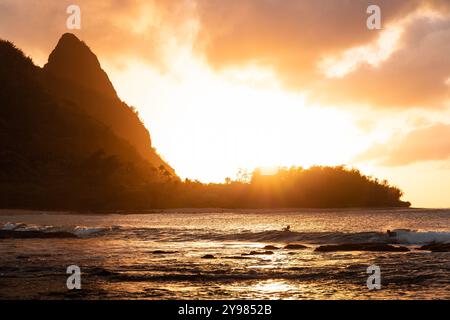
(209, 125)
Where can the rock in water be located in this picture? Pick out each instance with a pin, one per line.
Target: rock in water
(381, 247)
(436, 247)
(163, 252)
(270, 247)
(295, 246)
(255, 253)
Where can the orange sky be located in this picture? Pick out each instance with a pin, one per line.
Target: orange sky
(224, 85)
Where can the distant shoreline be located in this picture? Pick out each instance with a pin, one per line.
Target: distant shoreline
(16, 212)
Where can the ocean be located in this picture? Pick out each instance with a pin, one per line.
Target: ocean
(225, 254)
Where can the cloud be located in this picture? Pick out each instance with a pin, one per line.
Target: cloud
(416, 75)
(427, 144)
(115, 29)
(293, 37)
(290, 36)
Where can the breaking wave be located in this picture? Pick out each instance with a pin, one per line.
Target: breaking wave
(412, 237)
(79, 231)
(399, 236)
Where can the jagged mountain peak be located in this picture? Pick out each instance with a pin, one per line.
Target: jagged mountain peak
(74, 73)
(73, 60)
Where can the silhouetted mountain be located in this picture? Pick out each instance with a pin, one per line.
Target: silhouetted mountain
(56, 151)
(74, 74)
(72, 60)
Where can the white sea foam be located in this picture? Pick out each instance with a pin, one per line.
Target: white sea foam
(12, 226)
(81, 231)
(412, 237)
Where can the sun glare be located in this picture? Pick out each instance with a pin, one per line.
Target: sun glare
(220, 122)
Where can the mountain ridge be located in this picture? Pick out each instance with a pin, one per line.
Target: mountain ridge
(73, 60)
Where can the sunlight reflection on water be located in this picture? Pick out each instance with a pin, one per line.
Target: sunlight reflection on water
(162, 257)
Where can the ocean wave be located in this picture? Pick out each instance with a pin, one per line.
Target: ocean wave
(424, 237)
(37, 230)
(19, 226)
(398, 236)
(217, 276)
(10, 226)
(82, 231)
(309, 237)
(290, 275)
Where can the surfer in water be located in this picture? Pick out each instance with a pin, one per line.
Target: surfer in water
(287, 228)
(391, 234)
